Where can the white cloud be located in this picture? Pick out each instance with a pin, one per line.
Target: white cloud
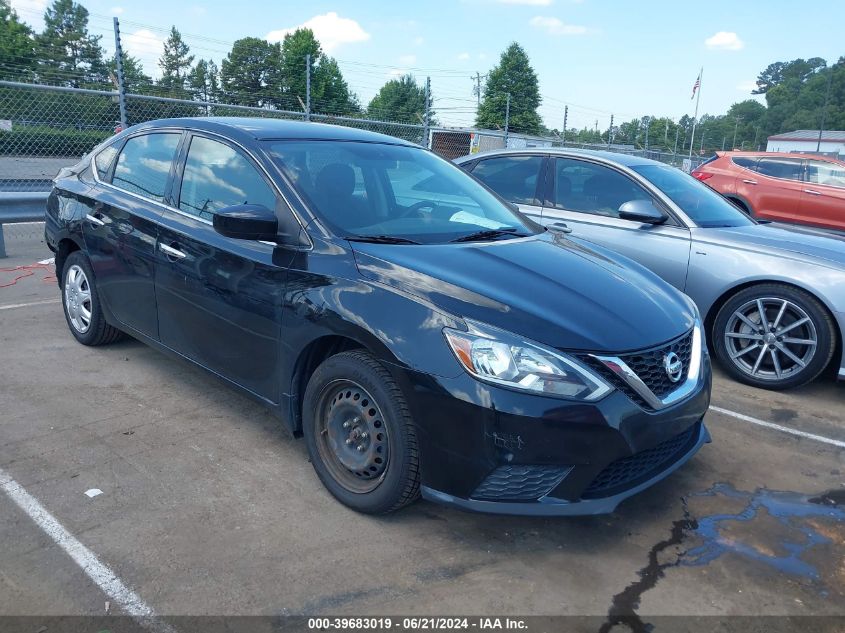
(199, 10)
(407, 60)
(419, 40)
(532, 3)
(463, 56)
(554, 26)
(724, 41)
(747, 86)
(146, 46)
(31, 11)
(482, 56)
(116, 10)
(331, 29)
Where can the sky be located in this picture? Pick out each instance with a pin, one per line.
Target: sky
(599, 57)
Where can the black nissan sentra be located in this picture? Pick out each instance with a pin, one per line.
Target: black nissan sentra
(423, 336)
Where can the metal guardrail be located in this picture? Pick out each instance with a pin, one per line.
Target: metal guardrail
(18, 207)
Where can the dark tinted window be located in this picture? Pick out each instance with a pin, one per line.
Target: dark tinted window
(512, 177)
(823, 173)
(218, 176)
(788, 168)
(590, 188)
(749, 162)
(103, 161)
(144, 164)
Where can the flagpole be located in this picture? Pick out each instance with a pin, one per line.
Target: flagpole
(695, 118)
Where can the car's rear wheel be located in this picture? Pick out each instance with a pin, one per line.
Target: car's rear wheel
(774, 336)
(81, 303)
(360, 435)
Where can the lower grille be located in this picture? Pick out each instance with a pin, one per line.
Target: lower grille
(520, 483)
(629, 471)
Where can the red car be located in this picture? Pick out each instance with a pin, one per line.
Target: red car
(802, 188)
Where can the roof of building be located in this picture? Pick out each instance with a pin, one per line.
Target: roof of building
(831, 136)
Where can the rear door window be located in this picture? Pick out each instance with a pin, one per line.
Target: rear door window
(784, 168)
(512, 177)
(821, 172)
(143, 166)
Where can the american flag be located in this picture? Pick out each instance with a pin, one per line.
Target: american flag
(696, 86)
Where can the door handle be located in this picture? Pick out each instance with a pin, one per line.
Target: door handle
(171, 252)
(560, 226)
(93, 219)
(749, 182)
(813, 192)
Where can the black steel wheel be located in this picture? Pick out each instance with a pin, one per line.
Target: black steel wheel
(774, 336)
(360, 435)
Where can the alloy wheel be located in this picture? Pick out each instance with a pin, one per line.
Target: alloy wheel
(352, 436)
(770, 338)
(78, 299)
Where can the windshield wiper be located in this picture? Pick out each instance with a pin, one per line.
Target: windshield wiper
(380, 239)
(487, 234)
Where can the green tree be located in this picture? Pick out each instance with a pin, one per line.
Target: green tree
(250, 73)
(295, 47)
(17, 46)
(330, 92)
(515, 76)
(134, 77)
(175, 64)
(400, 100)
(68, 54)
(204, 81)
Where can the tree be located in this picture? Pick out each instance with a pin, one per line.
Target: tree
(515, 76)
(17, 47)
(295, 47)
(68, 54)
(250, 74)
(400, 100)
(175, 63)
(329, 90)
(779, 72)
(134, 77)
(204, 81)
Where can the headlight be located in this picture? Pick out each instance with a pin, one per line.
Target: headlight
(500, 357)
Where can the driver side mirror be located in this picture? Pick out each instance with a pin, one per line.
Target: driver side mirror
(642, 211)
(247, 222)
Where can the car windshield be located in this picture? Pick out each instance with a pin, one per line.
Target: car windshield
(394, 193)
(702, 205)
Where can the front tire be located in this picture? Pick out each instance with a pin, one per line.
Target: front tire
(81, 303)
(360, 434)
(773, 336)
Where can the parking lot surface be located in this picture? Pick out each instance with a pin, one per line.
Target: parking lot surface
(209, 507)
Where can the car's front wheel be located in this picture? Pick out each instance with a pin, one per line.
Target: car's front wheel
(81, 303)
(774, 336)
(360, 435)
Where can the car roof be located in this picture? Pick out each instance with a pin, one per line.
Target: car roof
(621, 159)
(797, 155)
(258, 128)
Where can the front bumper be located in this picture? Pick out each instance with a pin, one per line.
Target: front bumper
(491, 449)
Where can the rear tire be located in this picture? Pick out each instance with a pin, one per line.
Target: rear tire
(790, 348)
(81, 303)
(360, 434)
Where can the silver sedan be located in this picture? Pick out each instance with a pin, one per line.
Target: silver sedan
(773, 298)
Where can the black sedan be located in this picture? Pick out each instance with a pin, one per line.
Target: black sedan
(421, 335)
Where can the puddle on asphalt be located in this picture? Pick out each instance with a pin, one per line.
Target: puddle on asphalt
(793, 512)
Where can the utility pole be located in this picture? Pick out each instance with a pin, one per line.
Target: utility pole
(610, 132)
(121, 87)
(647, 125)
(701, 149)
(724, 140)
(507, 117)
(477, 88)
(756, 133)
(565, 117)
(677, 132)
(824, 110)
(666, 134)
(736, 127)
(427, 115)
(308, 87)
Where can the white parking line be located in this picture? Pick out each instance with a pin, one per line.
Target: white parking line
(97, 571)
(26, 305)
(778, 427)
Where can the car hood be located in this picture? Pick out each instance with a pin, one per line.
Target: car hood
(547, 288)
(804, 243)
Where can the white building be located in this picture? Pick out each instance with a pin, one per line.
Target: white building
(806, 141)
